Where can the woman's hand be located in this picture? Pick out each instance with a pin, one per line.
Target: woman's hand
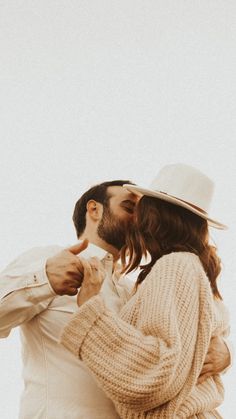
(94, 274)
(217, 359)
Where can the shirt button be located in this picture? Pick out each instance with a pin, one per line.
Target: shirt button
(35, 278)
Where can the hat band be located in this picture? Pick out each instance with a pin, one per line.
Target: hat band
(188, 203)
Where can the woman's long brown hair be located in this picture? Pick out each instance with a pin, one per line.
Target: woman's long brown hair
(162, 228)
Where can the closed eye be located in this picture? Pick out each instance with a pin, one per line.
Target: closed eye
(129, 210)
(128, 206)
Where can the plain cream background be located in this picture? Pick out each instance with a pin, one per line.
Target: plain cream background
(97, 90)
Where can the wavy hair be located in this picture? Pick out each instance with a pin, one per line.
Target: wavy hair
(162, 228)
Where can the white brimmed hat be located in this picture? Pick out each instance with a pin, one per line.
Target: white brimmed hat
(185, 186)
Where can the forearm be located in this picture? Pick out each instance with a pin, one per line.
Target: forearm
(97, 334)
(24, 289)
(157, 342)
(22, 305)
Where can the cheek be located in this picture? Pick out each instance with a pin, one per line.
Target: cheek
(129, 218)
(121, 215)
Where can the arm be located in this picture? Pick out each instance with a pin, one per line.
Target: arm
(28, 285)
(24, 289)
(152, 360)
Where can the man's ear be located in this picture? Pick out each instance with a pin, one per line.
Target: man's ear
(94, 210)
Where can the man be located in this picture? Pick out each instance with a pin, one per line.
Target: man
(38, 292)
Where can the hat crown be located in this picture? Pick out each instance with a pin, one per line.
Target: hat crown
(185, 183)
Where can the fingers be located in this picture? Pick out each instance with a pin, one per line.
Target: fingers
(72, 262)
(68, 290)
(98, 268)
(91, 265)
(94, 274)
(72, 291)
(208, 358)
(207, 368)
(65, 270)
(96, 263)
(218, 355)
(203, 377)
(78, 247)
(207, 371)
(86, 266)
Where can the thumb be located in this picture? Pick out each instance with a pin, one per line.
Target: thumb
(79, 247)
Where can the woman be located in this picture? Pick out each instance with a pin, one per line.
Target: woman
(149, 358)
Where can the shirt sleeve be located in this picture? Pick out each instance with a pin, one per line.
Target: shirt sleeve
(145, 365)
(24, 288)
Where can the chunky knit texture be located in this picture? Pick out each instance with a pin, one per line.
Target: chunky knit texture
(148, 358)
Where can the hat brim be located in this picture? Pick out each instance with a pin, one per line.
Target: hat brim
(138, 190)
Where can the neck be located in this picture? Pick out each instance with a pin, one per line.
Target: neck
(94, 239)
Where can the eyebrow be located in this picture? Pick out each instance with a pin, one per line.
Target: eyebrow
(128, 201)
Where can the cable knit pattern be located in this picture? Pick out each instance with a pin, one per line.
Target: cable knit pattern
(148, 358)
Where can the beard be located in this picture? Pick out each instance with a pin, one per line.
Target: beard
(113, 230)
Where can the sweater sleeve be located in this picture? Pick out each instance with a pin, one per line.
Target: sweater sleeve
(145, 365)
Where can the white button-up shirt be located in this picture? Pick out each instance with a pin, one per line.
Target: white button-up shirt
(56, 384)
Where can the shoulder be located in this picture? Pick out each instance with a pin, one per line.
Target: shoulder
(172, 287)
(181, 271)
(41, 251)
(33, 255)
(179, 262)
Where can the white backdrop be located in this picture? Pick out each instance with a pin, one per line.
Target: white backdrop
(100, 90)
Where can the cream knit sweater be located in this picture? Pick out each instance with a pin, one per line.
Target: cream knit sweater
(148, 358)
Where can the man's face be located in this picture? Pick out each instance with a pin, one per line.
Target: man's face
(118, 216)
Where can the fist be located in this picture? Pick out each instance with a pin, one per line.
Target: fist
(65, 270)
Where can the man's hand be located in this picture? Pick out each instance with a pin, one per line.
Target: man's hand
(94, 274)
(217, 359)
(65, 271)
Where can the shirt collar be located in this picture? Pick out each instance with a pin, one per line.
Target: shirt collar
(93, 250)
